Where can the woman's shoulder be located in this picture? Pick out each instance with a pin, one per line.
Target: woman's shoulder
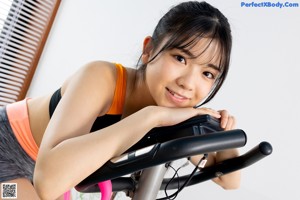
(93, 71)
(99, 66)
(92, 86)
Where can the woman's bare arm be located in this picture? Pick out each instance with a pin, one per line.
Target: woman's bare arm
(68, 153)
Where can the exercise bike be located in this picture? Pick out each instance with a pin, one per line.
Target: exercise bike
(140, 171)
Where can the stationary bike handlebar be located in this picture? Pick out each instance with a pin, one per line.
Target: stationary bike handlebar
(227, 166)
(195, 136)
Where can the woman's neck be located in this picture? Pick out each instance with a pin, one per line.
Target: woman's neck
(137, 93)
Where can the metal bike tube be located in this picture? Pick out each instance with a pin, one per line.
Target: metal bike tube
(149, 183)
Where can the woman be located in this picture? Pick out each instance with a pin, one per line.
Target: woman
(183, 65)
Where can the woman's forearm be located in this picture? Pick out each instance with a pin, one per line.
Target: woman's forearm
(63, 166)
(231, 180)
(69, 162)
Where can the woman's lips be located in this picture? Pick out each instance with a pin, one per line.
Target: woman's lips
(176, 97)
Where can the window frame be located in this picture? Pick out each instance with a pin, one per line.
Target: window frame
(21, 94)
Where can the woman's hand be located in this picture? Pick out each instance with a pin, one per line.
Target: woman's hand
(228, 121)
(228, 181)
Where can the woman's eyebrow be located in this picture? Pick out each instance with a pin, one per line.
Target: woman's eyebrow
(214, 67)
(188, 53)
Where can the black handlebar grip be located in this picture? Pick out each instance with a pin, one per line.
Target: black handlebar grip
(252, 156)
(265, 148)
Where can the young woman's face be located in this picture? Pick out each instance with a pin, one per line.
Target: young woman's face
(176, 80)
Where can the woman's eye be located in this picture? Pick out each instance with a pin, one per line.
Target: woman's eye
(180, 59)
(209, 75)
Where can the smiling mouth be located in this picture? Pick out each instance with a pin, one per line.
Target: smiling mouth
(177, 96)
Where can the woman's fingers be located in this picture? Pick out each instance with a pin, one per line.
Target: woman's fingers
(224, 118)
(228, 121)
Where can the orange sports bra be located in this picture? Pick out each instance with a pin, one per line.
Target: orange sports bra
(19, 121)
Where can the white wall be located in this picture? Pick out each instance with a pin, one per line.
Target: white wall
(261, 89)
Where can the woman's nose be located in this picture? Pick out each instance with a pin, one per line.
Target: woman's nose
(187, 80)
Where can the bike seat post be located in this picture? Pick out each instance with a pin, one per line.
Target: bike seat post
(150, 182)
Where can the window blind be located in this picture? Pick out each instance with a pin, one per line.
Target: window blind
(24, 27)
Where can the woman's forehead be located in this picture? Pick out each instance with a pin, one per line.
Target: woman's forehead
(206, 50)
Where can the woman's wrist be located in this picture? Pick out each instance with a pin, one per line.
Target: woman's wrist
(151, 114)
(226, 154)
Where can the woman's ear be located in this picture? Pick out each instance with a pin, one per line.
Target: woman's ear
(147, 49)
